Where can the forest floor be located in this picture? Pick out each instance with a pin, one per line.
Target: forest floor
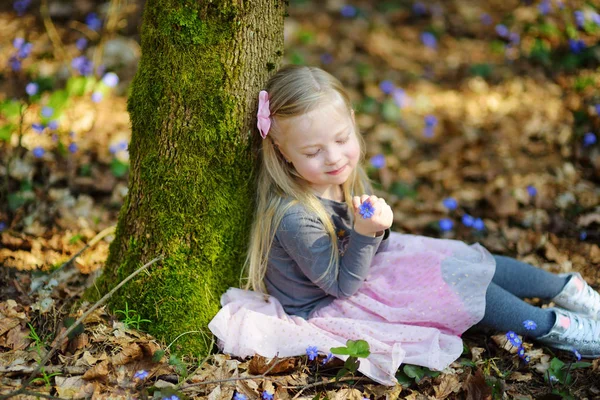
(506, 124)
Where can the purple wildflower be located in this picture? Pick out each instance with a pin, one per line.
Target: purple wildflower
(378, 161)
(24, 50)
(450, 203)
(429, 40)
(514, 339)
(478, 224)
(577, 354)
(141, 374)
(81, 43)
(122, 145)
(521, 352)
(446, 224)
(96, 97)
(327, 359)
(597, 107)
(576, 46)
(110, 79)
(39, 128)
(93, 22)
(32, 88)
(15, 64)
(467, 220)
(545, 7)
(47, 111)
(366, 209)
(596, 18)
(18, 42)
(20, 6)
(38, 152)
(266, 395)
(2, 226)
(386, 86)
(486, 19)
(312, 352)
(326, 58)
(589, 139)
(53, 124)
(579, 18)
(582, 235)
(348, 11)
(514, 38)
(430, 120)
(399, 97)
(73, 148)
(532, 191)
(239, 396)
(83, 65)
(529, 325)
(526, 359)
(419, 8)
(502, 30)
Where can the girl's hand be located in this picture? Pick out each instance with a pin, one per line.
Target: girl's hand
(381, 219)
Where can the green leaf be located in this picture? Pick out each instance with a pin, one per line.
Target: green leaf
(403, 379)
(341, 373)
(402, 190)
(580, 364)
(360, 348)
(11, 109)
(118, 168)
(340, 351)
(351, 364)
(413, 371)
(75, 238)
(58, 100)
(483, 70)
(158, 355)
(390, 111)
(6, 131)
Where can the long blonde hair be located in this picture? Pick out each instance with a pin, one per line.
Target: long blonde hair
(293, 91)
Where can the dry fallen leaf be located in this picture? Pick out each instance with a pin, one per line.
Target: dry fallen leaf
(98, 371)
(477, 388)
(447, 384)
(258, 365)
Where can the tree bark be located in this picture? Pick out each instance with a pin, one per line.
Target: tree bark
(193, 107)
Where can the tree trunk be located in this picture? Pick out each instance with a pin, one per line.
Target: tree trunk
(192, 107)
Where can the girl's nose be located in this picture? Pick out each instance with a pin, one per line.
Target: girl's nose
(333, 157)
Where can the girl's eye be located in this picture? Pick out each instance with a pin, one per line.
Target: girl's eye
(344, 140)
(312, 155)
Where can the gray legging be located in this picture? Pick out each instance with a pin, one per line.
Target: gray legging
(514, 280)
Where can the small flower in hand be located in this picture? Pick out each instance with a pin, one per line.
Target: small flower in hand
(366, 209)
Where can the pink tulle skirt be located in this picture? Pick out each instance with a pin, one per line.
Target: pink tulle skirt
(420, 295)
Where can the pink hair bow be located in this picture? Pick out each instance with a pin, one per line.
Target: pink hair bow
(263, 115)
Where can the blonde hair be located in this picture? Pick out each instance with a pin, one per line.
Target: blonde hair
(293, 91)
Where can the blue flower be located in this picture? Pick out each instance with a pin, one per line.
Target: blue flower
(366, 209)
(531, 190)
(53, 124)
(32, 88)
(110, 79)
(486, 19)
(545, 7)
(122, 145)
(141, 374)
(429, 40)
(446, 224)
(596, 18)
(326, 58)
(399, 97)
(96, 97)
(327, 359)
(514, 38)
(576, 46)
(502, 30)
(526, 359)
(467, 220)
(21, 6)
(47, 111)
(239, 396)
(419, 8)
(428, 131)
(267, 396)
(173, 397)
(521, 352)
(2, 226)
(514, 339)
(577, 354)
(312, 352)
(81, 43)
(478, 224)
(553, 378)
(589, 139)
(597, 107)
(24, 50)
(529, 325)
(450, 203)
(579, 18)
(39, 128)
(73, 147)
(83, 65)
(93, 22)
(582, 235)
(378, 161)
(386, 86)
(348, 11)
(38, 152)
(430, 120)
(15, 64)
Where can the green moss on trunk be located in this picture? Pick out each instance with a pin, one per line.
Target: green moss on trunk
(190, 189)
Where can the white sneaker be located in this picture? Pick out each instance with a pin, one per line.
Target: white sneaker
(579, 297)
(573, 332)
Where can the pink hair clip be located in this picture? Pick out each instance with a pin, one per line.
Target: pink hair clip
(263, 115)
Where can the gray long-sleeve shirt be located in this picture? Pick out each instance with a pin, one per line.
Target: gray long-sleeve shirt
(300, 256)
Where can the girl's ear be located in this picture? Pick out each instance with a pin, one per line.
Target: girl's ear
(278, 147)
(352, 115)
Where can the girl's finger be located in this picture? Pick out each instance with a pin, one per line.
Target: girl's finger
(356, 202)
(363, 198)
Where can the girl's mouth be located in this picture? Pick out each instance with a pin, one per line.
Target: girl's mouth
(337, 171)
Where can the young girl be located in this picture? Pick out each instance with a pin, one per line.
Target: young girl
(322, 250)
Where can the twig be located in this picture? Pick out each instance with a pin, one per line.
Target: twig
(63, 369)
(322, 383)
(241, 378)
(43, 395)
(63, 335)
(91, 243)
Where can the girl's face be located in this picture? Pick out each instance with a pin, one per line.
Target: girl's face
(323, 147)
